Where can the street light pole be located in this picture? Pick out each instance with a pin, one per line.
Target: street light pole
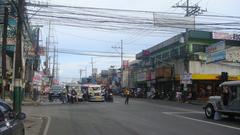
(121, 83)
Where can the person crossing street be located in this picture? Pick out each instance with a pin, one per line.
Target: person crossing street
(127, 94)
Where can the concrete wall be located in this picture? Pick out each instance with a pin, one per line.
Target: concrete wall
(197, 67)
(179, 66)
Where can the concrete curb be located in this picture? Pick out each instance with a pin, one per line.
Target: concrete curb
(27, 103)
(43, 125)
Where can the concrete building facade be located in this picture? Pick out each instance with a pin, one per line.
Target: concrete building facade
(192, 61)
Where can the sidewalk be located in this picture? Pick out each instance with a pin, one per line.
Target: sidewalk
(26, 102)
(34, 125)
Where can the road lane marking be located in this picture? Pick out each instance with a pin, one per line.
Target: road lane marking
(174, 108)
(176, 114)
(117, 102)
(47, 125)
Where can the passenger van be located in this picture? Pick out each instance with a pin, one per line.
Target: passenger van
(77, 88)
(93, 92)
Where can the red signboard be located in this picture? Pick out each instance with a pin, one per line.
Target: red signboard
(146, 53)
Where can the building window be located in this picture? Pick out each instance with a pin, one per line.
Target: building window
(198, 48)
(182, 50)
(165, 55)
(174, 53)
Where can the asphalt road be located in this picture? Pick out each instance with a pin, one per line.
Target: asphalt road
(140, 117)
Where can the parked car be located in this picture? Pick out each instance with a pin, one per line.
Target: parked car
(11, 123)
(228, 103)
(55, 93)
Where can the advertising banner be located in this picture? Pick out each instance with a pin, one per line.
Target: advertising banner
(233, 54)
(225, 36)
(186, 78)
(37, 78)
(216, 52)
(125, 63)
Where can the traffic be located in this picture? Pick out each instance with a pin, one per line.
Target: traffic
(73, 92)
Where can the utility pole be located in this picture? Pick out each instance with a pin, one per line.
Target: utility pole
(81, 70)
(47, 50)
(191, 10)
(121, 70)
(92, 62)
(121, 83)
(4, 44)
(53, 69)
(57, 64)
(92, 65)
(18, 60)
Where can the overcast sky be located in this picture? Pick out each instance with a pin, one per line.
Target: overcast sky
(95, 40)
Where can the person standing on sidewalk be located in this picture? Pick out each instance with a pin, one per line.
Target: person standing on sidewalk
(127, 93)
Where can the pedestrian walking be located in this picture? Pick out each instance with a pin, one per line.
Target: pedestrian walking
(127, 93)
(179, 96)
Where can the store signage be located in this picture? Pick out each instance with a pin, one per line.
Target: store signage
(225, 36)
(55, 82)
(125, 63)
(10, 41)
(9, 48)
(216, 52)
(146, 53)
(186, 78)
(233, 54)
(37, 78)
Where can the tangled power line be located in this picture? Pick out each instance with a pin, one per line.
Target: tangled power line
(126, 20)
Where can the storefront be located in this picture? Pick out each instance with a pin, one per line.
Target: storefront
(205, 85)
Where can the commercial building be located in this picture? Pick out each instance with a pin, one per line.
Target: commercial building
(195, 61)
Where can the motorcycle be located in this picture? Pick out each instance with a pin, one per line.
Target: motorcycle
(73, 98)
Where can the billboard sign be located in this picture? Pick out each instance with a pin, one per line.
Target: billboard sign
(225, 36)
(216, 52)
(233, 54)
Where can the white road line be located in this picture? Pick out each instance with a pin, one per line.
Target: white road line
(117, 102)
(174, 108)
(47, 125)
(172, 113)
(203, 121)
